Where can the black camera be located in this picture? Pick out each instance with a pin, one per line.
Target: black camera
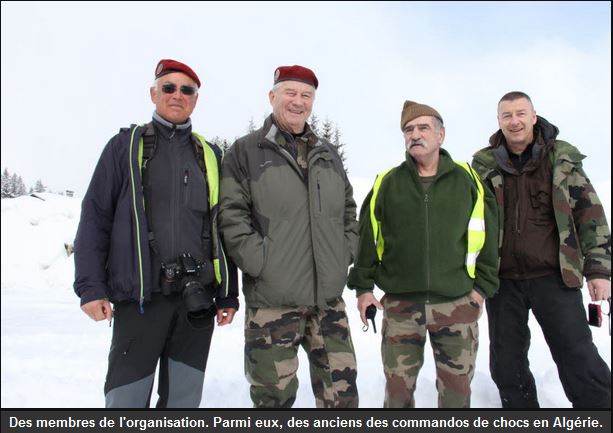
(184, 276)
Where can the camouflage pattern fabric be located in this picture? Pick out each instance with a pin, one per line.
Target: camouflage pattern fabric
(272, 338)
(585, 238)
(454, 335)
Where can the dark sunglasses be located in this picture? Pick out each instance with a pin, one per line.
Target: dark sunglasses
(172, 88)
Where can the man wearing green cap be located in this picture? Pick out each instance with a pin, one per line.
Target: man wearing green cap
(428, 239)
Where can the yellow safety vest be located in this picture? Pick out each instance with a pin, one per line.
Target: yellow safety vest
(212, 175)
(476, 224)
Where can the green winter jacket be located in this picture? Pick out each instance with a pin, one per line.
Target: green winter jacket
(585, 238)
(293, 237)
(425, 235)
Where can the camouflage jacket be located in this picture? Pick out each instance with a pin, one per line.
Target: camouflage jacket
(293, 236)
(585, 238)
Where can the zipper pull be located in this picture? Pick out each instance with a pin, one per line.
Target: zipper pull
(319, 194)
(185, 177)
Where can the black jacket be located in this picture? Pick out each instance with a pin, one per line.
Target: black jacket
(112, 253)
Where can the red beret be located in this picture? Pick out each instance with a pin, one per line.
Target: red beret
(166, 66)
(296, 73)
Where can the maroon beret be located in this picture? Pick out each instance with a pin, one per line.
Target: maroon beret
(166, 66)
(296, 73)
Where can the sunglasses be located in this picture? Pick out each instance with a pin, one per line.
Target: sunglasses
(172, 88)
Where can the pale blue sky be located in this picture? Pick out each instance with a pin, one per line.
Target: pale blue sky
(74, 73)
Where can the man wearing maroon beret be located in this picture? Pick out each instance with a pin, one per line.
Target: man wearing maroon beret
(288, 219)
(148, 243)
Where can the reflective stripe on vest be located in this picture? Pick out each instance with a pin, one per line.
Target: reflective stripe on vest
(476, 225)
(212, 176)
(376, 224)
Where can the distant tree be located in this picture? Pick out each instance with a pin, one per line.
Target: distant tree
(326, 130)
(331, 132)
(339, 146)
(221, 142)
(252, 127)
(6, 184)
(314, 123)
(13, 185)
(20, 188)
(39, 187)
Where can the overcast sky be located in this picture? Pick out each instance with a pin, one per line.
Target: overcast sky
(74, 73)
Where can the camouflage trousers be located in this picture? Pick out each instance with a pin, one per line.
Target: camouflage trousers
(272, 337)
(454, 335)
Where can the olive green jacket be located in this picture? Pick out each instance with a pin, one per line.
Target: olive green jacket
(292, 237)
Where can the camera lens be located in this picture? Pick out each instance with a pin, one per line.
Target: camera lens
(198, 301)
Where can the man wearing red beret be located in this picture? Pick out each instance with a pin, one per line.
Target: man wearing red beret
(148, 243)
(289, 222)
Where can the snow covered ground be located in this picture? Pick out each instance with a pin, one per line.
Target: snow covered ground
(54, 356)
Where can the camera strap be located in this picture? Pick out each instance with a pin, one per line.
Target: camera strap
(149, 147)
(609, 314)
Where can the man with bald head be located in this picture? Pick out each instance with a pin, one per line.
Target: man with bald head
(148, 243)
(288, 218)
(428, 239)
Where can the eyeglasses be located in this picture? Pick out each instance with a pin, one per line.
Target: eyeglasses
(172, 88)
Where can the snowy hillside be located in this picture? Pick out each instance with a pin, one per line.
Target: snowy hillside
(54, 356)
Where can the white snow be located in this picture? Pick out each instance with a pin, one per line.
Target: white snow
(53, 355)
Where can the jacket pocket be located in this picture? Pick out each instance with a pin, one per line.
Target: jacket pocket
(333, 257)
(541, 212)
(253, 262)
(195, 190)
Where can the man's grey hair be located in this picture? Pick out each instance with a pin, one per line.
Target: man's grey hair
(275, 88)
(438, 124)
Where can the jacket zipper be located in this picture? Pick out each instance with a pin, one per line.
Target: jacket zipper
(427, 250)
(319, 195)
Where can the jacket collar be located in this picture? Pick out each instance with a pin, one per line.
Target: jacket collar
(169, 129)
(276, 135)
(445, 163)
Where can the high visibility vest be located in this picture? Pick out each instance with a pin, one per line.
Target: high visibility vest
(212, 175)
(476, 225)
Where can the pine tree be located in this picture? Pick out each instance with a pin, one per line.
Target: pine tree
(336, 142)
(20, 188)
(13, 185)
(6, 183)
(330, 132)
(221, 142)
(314, 123)
(39, 187)
(326, 130)
(252, 127)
